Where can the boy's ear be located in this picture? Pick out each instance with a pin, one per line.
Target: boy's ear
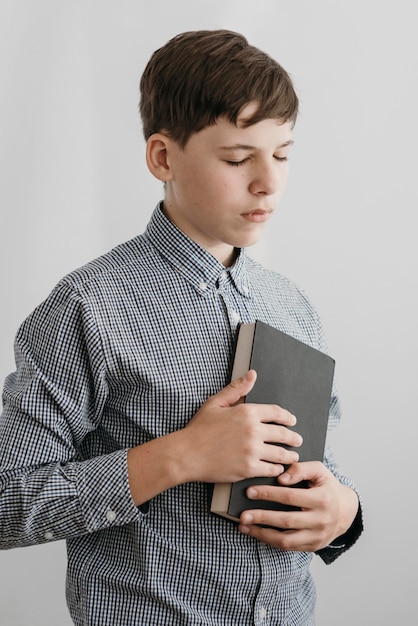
(157, 156)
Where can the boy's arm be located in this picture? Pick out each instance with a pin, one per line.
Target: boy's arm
(225, 441)
(54, 401)
(51, 403)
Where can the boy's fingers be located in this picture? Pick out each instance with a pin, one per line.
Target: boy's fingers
(237, 389)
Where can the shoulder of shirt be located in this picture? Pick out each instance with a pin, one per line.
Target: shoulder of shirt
(259, 274)
(131, 258)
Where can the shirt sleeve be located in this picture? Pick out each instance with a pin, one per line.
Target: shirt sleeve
(49, 489)
(346, 541)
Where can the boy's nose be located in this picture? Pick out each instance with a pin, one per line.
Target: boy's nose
(267, 180)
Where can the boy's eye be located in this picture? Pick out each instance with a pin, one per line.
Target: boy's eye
(238, 163)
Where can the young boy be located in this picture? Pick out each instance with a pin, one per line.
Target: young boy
(119, 416)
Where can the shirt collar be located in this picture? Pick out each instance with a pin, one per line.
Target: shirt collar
(197, 265)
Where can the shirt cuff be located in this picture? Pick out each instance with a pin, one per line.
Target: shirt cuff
(104, 493)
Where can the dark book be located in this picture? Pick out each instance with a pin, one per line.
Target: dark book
(293, 375)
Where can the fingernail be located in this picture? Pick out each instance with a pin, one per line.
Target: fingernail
(246, 518)
(252, 492)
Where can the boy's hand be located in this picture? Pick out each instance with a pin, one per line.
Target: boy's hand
(225, 441)
(328, 509)
(228, 440)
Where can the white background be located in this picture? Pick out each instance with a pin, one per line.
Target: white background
(73, 183)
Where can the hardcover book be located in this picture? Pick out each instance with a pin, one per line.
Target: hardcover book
(293, 375)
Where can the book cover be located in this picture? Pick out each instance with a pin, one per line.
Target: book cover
(293, 375)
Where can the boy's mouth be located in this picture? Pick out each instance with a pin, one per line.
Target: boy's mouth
(257, 215)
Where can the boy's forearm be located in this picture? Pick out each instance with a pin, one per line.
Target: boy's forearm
(155, 466)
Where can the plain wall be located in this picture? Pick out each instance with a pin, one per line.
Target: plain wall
(73, 183)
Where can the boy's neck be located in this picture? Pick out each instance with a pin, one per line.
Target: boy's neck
(224, 253)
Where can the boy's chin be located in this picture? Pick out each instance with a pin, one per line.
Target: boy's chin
(247, 242)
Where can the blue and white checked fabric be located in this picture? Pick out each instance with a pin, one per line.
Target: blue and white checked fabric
(126, 349)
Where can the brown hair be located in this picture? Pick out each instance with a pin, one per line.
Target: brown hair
(199, 76)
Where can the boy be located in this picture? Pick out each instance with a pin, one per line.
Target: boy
(119, 416)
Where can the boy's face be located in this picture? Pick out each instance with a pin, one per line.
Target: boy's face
(225, 184)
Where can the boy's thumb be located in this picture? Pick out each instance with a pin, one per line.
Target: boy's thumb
(236, 390)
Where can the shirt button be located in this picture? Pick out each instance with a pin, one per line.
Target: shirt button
(203, 285)
(235, 316)
(48, 535)
(224, 274)
(111, 516)
(262, 614)
(246, 290)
